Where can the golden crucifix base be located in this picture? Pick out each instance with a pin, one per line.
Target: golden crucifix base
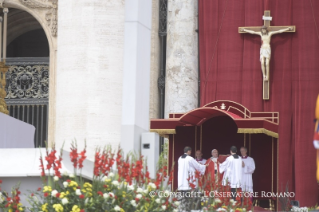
(266, 90)
(3, 71)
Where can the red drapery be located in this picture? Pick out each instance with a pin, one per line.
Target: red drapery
(230, 69)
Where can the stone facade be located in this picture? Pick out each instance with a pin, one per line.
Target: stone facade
(181, 91)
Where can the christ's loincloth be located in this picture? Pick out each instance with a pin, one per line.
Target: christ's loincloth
(265, 53)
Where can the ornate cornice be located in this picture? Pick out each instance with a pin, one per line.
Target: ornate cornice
(51, 15)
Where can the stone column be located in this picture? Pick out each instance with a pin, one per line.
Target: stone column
(89, 78)
(181, 91)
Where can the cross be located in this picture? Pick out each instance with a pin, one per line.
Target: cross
(265, 55)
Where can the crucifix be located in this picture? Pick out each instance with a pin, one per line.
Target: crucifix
(265, 32)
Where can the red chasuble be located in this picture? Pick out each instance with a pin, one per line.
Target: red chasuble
(209, 177)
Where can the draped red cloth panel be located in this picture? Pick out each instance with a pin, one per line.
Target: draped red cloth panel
(230, 69)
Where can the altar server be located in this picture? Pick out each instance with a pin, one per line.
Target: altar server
(248, 168)
(232, 167)
(186, 168)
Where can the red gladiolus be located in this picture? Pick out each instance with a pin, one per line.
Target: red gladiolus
(42, 167)
(46, 194)
(74, 155)
(39, 189)
(0, 181)
(82, 210)
(97, 164)
(57, 195)
(50, 158)
(100, 193)
(68, 181)
(81, 196)
(82, 158)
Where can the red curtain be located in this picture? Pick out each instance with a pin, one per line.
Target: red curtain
(230, 69)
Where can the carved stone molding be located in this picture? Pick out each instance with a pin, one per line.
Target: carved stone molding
(51, 15)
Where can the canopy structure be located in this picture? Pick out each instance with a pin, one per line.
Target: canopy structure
(245, 120)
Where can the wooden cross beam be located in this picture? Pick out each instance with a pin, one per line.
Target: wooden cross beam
(271, 30)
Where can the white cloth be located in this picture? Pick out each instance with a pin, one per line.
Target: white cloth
(15, 133)
(265, 52)
(215, 162)
(186, 169)
(316, 144)
(233, 171)
(203, 161)
(247, 178)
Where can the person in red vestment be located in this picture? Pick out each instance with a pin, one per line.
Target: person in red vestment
(212, 176)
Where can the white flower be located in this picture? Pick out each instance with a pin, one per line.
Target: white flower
(177, 203)
(221, 209)
(115, 182)
(105, 195)
(244, 209)
(56, 178)
(175, 210)
(231, 200)
(35, 199)
(65, 173)
(86, 201)
(117, 208)
(164, 207)
(152, 185)
(1, 198)
(145, 191)
(158, 200)
(234, 203)
(166, 193)
(104, 178)
(111, 174)
(71, 175)
(65, 184)
(133, 202)
(130, 187)
(111, 194)
(139, 196)
(139, 190)
(217, 200)
(65, 201)
(54, 192)
(78, 192)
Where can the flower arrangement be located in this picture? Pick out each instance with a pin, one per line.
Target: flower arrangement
(119, 184)
(126, 189)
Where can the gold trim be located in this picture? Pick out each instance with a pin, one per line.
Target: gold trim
(163, 132)
(257, 130)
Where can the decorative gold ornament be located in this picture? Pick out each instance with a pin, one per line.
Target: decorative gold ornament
(3, 105)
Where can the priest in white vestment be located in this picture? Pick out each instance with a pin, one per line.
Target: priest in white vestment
(187, 166)
(232, 168)
(248, 168)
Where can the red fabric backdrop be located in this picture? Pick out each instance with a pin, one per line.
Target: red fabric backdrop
(230, 69)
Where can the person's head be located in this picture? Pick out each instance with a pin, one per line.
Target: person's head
(233, 150)
(198, 154)
(243, 151)
(215, 153)
(264, 30)
(188, 150)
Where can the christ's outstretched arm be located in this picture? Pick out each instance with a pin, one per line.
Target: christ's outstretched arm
(280, 31)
